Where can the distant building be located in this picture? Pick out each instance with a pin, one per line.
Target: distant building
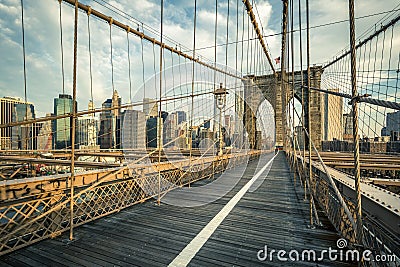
(229, 125)
(151, 132)
(45, 136)
(105, 136)
(170, 129)
(23, 136)
(62, 127)
(14, 109)
(86, 130)
(206, 142)
(133, 130)
(347, 126)
(182, 141)
(150, 107)
(110, 123)
(164, 115)
(181, 116)
(239, 112)
(333, 116)
(207, 124)
(393, 125)
(385, 132)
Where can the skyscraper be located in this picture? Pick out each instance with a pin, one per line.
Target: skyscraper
(45, 136)
(348, 127)
(181, 116)
(150, 107)
(14, 109)
(229, 124)
(133, 130)
(86, 130)
(105, 136)
(62, 127)
(393, 125)
(170, 128)
(110, 123)
(333, 116)
(151, 132)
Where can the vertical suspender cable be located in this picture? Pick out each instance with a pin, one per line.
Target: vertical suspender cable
(111, 57)
(309, 115)
(24, 60)
(90, 55)
(251, 43)
(62, 51)
(129, 66)
(241, 61)
(226, 46)
(248, 42)
(236, 71)
(215, 65)
(302, 97)
(71, 232)
(63, 78)
(92, 121)
(237, 36)
(293, 88)
(192, 96)
(144, 84)
(113, 138)
(215, 41)
(359, 230)
(283, 56)
(287, 88)
(159, 119)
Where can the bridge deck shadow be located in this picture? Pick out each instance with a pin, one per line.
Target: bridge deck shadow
(274, 214)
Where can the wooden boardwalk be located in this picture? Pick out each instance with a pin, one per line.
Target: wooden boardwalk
(273, 214)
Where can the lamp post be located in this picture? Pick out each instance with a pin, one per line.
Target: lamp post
(220, 97)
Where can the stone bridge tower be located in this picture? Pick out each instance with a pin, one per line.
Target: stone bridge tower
(269, 88)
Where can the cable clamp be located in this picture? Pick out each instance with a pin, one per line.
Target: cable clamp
(358, 98)
(89, 11)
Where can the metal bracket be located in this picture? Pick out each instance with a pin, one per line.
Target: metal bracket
(357, 98)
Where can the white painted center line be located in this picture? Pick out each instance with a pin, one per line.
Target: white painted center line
(197, 243)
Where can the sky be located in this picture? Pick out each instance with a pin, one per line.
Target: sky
(43, 47)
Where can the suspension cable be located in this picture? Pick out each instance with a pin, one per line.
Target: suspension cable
(359, 228)
(129, 67)
(193, 67)
(143, 67)
(73, 120)
(62, 74)
(159, 119)
(294, 159)
(215, 58)
(62, 50)
(24, 61)
(227, 40)
(90, 54)
(111, 57)
(310, 174)
(302, 91)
